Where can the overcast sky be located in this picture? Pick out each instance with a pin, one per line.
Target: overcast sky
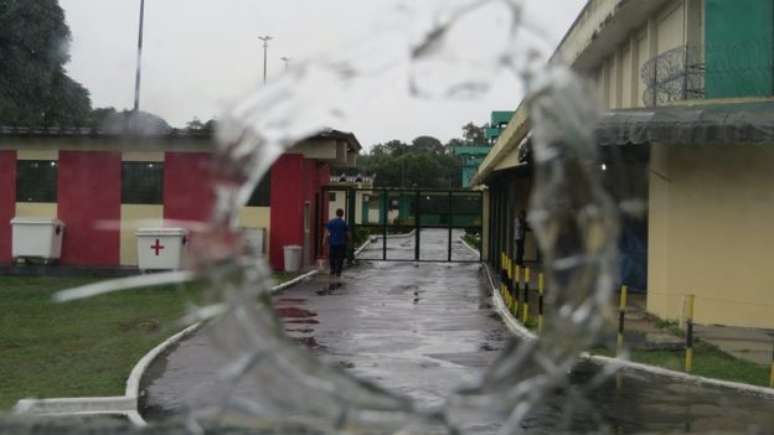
(201, 55)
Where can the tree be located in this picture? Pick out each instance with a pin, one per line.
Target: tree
(34, 47)
(474, 134)
(427, 144)
(195, 124)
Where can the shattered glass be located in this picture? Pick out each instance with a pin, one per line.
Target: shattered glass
(574, 218)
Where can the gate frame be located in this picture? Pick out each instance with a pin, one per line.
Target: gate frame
(383, 192)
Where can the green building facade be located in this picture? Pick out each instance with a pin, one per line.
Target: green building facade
(472, 155)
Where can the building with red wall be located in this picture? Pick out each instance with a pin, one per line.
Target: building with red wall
(104, 187)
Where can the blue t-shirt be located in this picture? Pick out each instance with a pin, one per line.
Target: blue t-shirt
(337, 228)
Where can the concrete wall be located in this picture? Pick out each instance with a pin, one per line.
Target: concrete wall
(710, 234)
(100, 230)
(617, 76)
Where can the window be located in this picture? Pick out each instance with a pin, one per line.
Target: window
(262, 194)
(332, 197)
(142, 183)
(36, 180)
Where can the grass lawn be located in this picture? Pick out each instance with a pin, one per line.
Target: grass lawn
(708, 361)
(82, 348)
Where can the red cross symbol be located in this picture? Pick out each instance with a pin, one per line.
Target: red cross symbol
(157, 247)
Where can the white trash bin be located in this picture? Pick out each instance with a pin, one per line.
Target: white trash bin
(36, 238)
(293, 254)
(160, 248)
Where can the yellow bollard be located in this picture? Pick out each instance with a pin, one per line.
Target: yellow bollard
(525, 301)
(511, 280)
(689, 333)
(540, 302)
(621, 317)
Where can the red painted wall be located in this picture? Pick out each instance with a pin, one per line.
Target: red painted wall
(294, 181)
(324, 177)
(188, 190)
(89, 193)
(7, 202)
(287, 206)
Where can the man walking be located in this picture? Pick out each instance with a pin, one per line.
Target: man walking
(338, 233)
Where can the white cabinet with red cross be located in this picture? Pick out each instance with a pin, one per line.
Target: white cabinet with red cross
(161, 248)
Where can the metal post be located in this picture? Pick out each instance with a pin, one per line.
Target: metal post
(689, 334)
(508, 280)
(138, 76)
(286, 60)
(502, 274)
(417, 224)
(771, 370)
(386, 215)
(541, 291)
(481, 228)
(265, 40)
(450, 217)
(349, 203)
(621, 317)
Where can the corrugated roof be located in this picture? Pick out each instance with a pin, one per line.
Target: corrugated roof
(711, 123)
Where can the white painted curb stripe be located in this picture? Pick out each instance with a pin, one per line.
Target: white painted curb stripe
(472, 249)
(517, 329)
(389, 237)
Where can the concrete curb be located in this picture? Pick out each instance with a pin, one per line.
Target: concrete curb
(472, 249)
(517, 329)
(128, 404)
(389, 237)
(362, 247)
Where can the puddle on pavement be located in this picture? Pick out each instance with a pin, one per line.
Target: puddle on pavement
(294, 313)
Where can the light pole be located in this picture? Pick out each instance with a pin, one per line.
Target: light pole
(138, 76)
(286, 60)
(265, 40)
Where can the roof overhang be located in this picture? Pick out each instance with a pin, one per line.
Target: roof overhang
(600, 28)
(701, 123)
(334, 147)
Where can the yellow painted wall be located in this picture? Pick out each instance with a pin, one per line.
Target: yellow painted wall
(257, 217)
(134, 216)
(142, 156)
(711, 233)
(671, 24)
(36, 210)
(627, 74)
(37, 153)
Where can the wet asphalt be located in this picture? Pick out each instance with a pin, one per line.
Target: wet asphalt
(420, 329)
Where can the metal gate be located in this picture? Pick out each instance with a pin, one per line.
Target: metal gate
(417, 225)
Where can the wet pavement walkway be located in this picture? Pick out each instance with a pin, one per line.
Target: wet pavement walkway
(421, 329)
